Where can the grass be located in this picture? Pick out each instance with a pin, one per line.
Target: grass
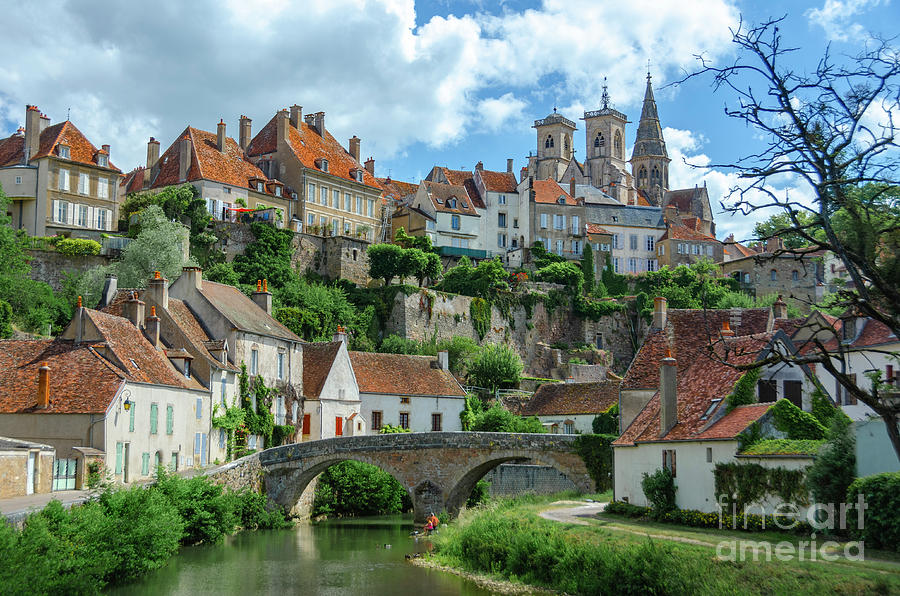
(612, 555)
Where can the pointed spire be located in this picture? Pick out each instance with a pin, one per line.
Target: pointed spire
(649, 139)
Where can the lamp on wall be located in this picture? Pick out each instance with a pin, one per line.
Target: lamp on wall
(128, 402)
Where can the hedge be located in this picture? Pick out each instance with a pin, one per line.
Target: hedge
(698, 519)
(750, 483)
(77, 247)
(882, 514)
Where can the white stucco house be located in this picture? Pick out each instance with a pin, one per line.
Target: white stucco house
(332, 396)
(570, 408)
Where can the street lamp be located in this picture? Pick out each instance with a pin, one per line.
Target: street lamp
(127, 403)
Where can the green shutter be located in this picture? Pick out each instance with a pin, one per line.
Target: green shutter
(118, 458)
(170, 420)
(174, 465)
(154, 414)
(145, 464)
(131, 418)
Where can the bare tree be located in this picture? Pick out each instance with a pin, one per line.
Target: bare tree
(833, 130)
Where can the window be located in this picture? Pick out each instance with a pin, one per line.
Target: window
(543, 221)
(338, 426)
(429, 225)
(404, 400)
(103, 188)
(277, 191)
(576, 247)
(569, 427)
(295, 412)
(709, 455)
(768, 392)
(710, 409)
(187, 369)
(311, 193)
(280, 365)
(795, 275)
(576, 225)
(336, 199)
(501, 199)
(501, 240)
(598, 341)
(515, 222)
(259, 187)
(459, 242)
(633, 241)
(501, 220)
(347, 201)
(226, 190)
(454, 222)
(559, 222)
(404, 419)
(669, 461)
(651, 243)
(145, 464)
(103, 160)
(224, 403)
(323, 195)
(254, 361)
(324, 166)
(377, 421)
(154, 415)
(306, 420)
(18, 180)
(279, 410)
(773, 275)
(371, 208)
(359, 175)
(652, 265)
(221, 438)
(64, 152)
(661, 250)
(311, 219)
(131, 411)
(347, 227)
(746, 278)
(82, 215)
(64, 180)
(174, 465)
(102, 218)
(695, 249)
(359, 207)
(848, 398)
(617, 241)
(709, 250)
(548, 142)
(436, 425)
(559, 247)
(616, 265)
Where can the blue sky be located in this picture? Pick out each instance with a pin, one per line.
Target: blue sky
(421, 83)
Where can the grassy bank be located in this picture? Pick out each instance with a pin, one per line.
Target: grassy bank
(122, 535)
(507, 539)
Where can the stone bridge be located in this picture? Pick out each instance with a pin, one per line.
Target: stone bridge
(438, 469)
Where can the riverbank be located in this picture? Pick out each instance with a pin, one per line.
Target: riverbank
(579, 554)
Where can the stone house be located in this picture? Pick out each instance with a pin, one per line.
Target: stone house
(635, 231)
(457, 230)
(26, 468)
(557, 217)
(338, 195)
(505, 217)
(104, 390)
(691, 207)
(414, 392)
(570, 408)
(57, 181)
(218, 168)
(683, 244)
(332, 400)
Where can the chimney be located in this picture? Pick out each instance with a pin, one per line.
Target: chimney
(340, 335)
(45, 122)
(158, 291)
(479, 166)
(43, 396)
(774, 244)
(296, 116)
(184, 158)
(220, 136)
(32, 131)
(572, 187)
(354, 147)
(134, 310)
(443, 358)
(281, 126)
(79, 321)
(320, 123)
(659, 312)
(244, 129)
(509, 166)
(671, 212)
(262, 297)
(151, 327)
(779, 308)
(105, 148)
(152, 152)
(727, 331)
(668, 400)
(194, 276)
(109, 290)
(370, 166)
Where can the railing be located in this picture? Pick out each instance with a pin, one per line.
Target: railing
(604, 112)
(553, 119)
(113, 244)
(453, 251)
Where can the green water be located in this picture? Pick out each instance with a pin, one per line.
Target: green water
(333, 557)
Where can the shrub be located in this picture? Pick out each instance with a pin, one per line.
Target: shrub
(751, 522)
(607, 423)
(882, 514)
(356, 488)
(280, 432)
(207, 510)
(499, 419)
(384, 261)
(659, 488)
(78, 247)
(496, 365)
(567, 274)
(596, 451)
(834, 469)
(741, 484)
(6, 316)
(480, 494)
(389, 429)
(254, 512)
(796, 423)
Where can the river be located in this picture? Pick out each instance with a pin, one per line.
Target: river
(344, 556)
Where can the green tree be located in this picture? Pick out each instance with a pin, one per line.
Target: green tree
(156, 248)
(356, 488)
(780, 225)
(615, 284)
(404, 240)
(433, 268)
(541, 257)
(222, 273)
(384, 261)
(6, 315)
(267, 257)
(485, 280)
(607, 423)
(500, 420)
(412, 264)
(567, 274)
(312, 310)
(587, 267)
(496, 365)
(834, 469)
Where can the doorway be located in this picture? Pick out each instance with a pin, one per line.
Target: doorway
(29, 474)
(126, 464)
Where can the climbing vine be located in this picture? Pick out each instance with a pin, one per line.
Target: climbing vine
(744, 391)
(796, 423)
(597, 453)
(230, 420)
(741, 484)
(480, 312)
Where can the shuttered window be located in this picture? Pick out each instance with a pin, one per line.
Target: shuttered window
(145, 464)
(170, 420)
(131, 418)
(306, 424)
(64, 180)
(154, 415)
(199, 408)
(84, 184)
(119, 448)
(103, 188)
(338, 426)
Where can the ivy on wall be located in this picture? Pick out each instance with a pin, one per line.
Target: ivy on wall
(744, 391)
(597, 453)
(741, 484)
(796, 423)
(480, 313)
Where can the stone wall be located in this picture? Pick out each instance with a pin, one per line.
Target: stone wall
(449, 316)
(14, 472)
(517, 479)
(51, 267)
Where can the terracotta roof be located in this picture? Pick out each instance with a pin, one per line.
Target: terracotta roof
(675, 231)
(133, 181)
(397, 189)
(243, 313)
(80, 149)
(873, 333)
(789, 326)
(464, 179)
(402, 374)
(499, 181)
(81, 381)
(440, 194)
(688, 333)
(207, 162)
(553, 399)
(701, 381)
(596, 229)
(318, 358)
(116, 305)
(643, 198)
(549, 191)
(309, 146)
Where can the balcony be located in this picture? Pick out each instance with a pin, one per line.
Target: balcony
(472, 253)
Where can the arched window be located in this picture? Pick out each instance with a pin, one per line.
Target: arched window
(599, 143)
(617, 144)
(566, 142)
(549, 142)
(655, 177)
(773, 275)
(642, 177)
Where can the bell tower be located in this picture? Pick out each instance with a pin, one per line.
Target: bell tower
(605, 144)
(649, 160)
(554, 146)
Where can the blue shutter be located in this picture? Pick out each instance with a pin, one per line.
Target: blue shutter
(154, 415)
(118, 458)
(145, 464)
(199, 408)
(131, 418)
(170, 420)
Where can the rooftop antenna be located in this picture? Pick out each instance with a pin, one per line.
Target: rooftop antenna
(648, 69)
(68, 111)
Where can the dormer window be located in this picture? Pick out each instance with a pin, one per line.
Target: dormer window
(65, 152)
(322, 164)
(451, 203)
(103, 160)
(277, 191)
(561, 200)
(259, 187)
(359, 176)
(710, 409)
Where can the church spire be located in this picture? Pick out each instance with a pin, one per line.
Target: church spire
(649, 159)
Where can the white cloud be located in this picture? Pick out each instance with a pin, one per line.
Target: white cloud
(835, 17)
(131, 70)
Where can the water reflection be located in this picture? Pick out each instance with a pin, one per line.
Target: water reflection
(334, 557)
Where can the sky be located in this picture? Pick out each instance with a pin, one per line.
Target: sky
(421, 83)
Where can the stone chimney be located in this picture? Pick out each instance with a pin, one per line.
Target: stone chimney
(32, 131)
(774, 244)
(220, 136)
(319, 123)
(370, 166)
(509, 166)
(194, 276)
(668, 400)
(671, 213)
(262, 297)
(43, 395)
(354, 147)
(281, 126)
(105, 148)
(158, 291)
(727, 331)
(296, 116)
(151, 327)
(152, 152)
(443, 358)
(45, 122)
(779, 308)
(109, 290)
(79, 321)
(134, 310)
(184, 158)
(660, 305)
(244, 128)
(572, 187)
(340, 335)
(479, 166)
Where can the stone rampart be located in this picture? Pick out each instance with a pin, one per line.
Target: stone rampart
(517, 479)
(52, 267)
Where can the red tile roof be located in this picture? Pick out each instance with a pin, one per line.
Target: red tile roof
(402, 374)
(549, 191)
(734, 422)
(556, 399)
(309, 146)
(441, 194)
(642, 199)
(593, 228)
(80, 149)
(318, 358)
(499, 181)
(397, 189)
(873, 333)
(464, 179)
(675, 231)
(133, 181)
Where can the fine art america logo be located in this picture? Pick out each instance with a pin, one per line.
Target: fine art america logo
(821, 517)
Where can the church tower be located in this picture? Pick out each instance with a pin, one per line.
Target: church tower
(605, 146)
(554, 146)
(649, 160)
